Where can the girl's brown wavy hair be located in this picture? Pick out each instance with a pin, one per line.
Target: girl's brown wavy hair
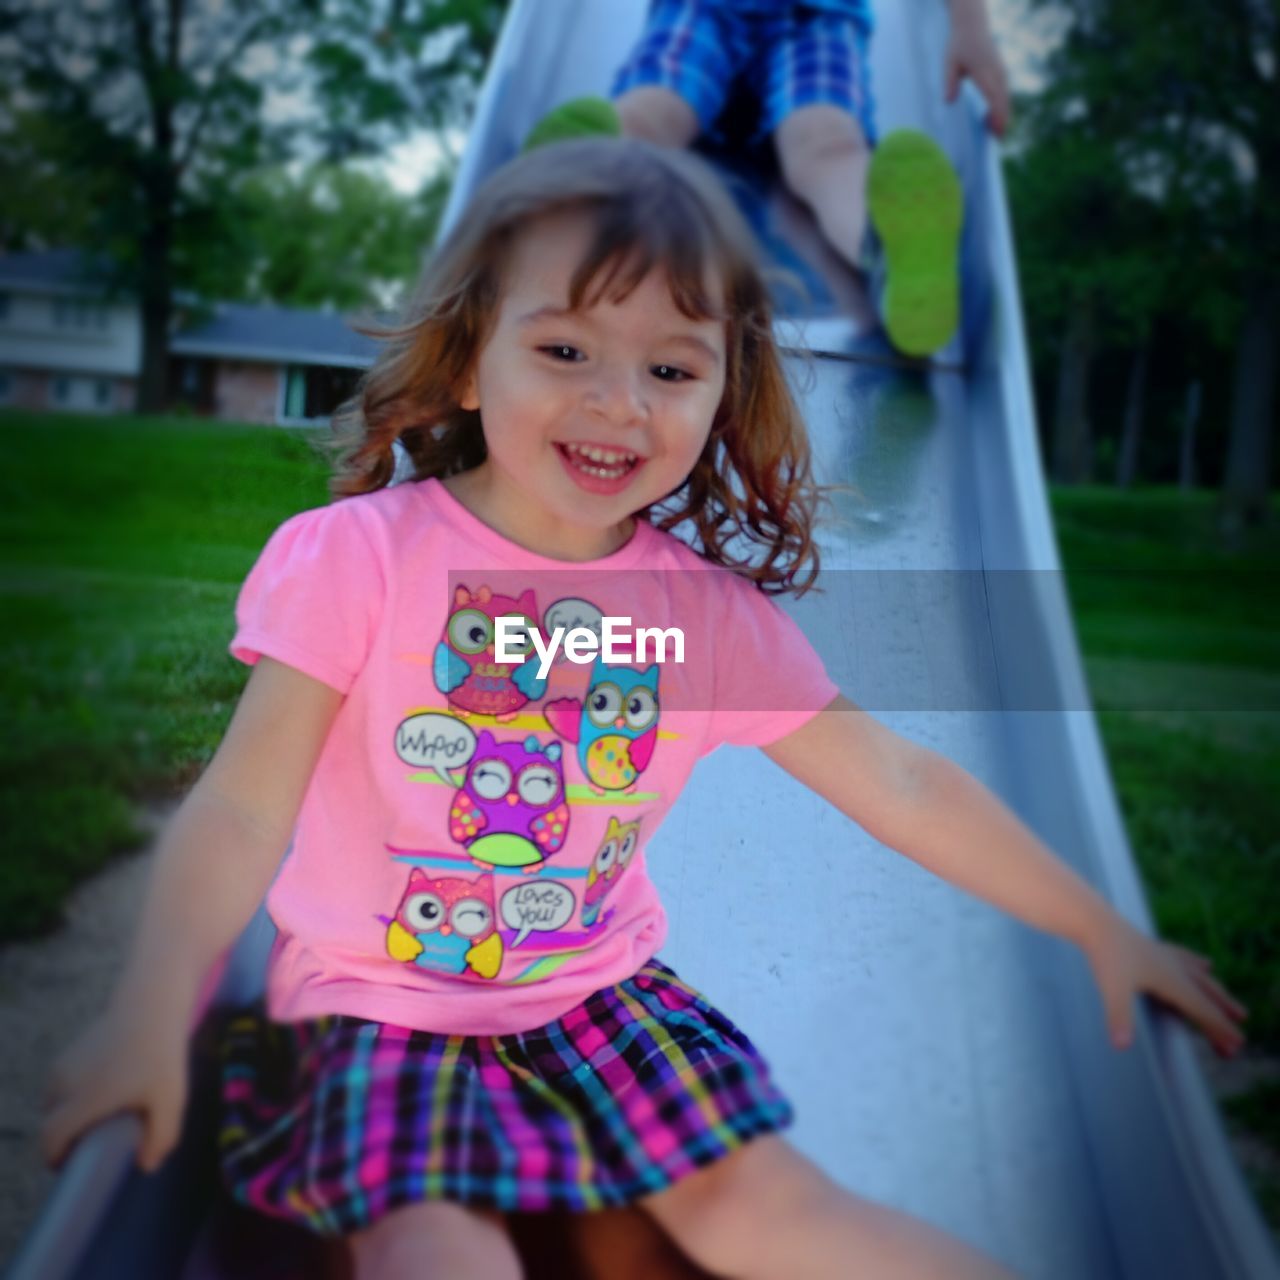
(750, 498)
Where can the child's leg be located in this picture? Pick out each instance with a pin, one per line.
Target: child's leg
(767, 1213)
(674, 83)
(436, 1239)
(824, 157)
(815, 97)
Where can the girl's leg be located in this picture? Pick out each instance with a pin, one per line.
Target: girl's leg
(436, 1239)
(767, 1213)
(657, 115)
(824, 158)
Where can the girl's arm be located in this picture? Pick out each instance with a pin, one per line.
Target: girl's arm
(216, 859)
(930, 809)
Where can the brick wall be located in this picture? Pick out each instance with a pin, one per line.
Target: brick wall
(34, 389)
(245, 392)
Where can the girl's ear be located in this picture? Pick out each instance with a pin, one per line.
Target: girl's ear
(469, 393)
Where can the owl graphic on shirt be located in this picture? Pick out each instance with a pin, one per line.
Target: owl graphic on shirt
(615, 726)
(466, 668)
(447, 924)
(612, 858)
(510, 810)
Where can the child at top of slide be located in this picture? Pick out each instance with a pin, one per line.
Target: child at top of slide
(465, 1015)
(806, 66)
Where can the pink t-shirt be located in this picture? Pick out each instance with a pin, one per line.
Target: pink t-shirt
(470, 853)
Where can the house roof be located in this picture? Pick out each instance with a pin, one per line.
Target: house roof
(221, 330)
(237, 331)
(55, 271)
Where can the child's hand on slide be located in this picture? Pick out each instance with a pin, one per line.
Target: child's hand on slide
(973, 54)
(120, 1063)
(1126, 962)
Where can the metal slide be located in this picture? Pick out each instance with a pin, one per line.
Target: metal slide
(943, 1059)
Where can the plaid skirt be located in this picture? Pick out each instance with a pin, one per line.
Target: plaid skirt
(332, 1122)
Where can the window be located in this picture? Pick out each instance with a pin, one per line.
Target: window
(62, 390)
(6, 387)
(70, 314)
(313, 392)
(295, 392)
(102, 393)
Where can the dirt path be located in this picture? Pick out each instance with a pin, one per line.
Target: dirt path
(49, 988)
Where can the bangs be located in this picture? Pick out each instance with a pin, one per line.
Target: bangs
(666, 229)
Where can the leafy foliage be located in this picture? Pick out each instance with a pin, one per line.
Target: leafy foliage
(130, 127)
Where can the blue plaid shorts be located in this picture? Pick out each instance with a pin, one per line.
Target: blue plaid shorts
(786, 55)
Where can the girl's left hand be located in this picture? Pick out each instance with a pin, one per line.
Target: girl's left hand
(1126, 962)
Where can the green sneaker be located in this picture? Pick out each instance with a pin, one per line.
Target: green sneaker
(577, 118)
(916, 206)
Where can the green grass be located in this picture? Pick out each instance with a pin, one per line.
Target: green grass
(1182, 648)
(1181, 640)
(122, 546)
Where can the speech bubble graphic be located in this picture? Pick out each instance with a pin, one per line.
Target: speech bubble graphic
(435, 740)
(544, 905)
(570, 613)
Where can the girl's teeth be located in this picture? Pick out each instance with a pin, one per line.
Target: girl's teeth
(608, 463)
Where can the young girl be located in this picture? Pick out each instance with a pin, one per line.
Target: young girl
(464, 1015)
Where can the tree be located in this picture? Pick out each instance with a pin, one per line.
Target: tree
(1188, 92)
(1088, 272)
(329, 236)
(142, 116)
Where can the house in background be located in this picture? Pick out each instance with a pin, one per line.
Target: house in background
(266, 364)
(66, 342)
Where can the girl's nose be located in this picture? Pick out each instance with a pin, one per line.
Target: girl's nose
(615, 395)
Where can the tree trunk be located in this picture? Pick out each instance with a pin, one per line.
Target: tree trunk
(1248, 470)
(1134, 404)
(1072, 434)
(1187, 446)
(156, 305)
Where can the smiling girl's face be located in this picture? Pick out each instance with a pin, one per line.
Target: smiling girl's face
(588, 415)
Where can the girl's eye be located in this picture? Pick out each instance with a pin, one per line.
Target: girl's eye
(669, 373)
(562, 351)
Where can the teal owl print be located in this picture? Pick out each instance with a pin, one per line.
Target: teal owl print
(616, 727)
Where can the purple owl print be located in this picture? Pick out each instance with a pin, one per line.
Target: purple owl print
(511, 810)
(465, 665)
(447, 924)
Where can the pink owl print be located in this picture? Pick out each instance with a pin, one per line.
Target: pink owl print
(511, 810)
(465, 666)
(447, 924)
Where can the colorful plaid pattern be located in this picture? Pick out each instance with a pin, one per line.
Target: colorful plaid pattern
(333, 1122)
(797, 55)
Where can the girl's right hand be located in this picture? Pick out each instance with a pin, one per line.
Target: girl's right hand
(120, 1063)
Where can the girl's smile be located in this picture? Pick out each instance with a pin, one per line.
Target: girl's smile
(598, 468)
(589, 415)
